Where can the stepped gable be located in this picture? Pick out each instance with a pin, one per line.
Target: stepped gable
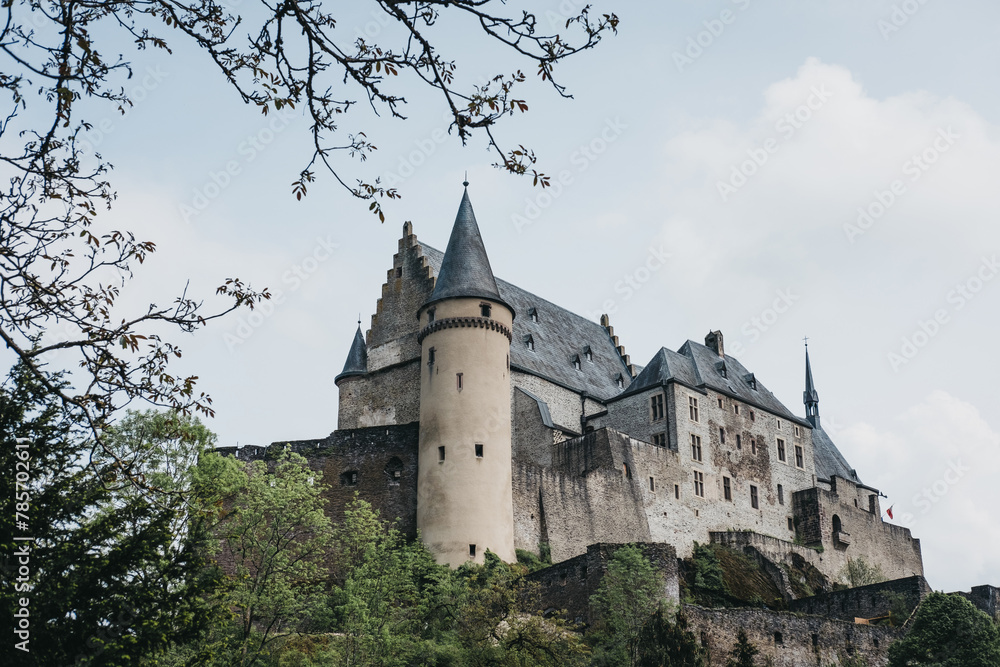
(559, 337)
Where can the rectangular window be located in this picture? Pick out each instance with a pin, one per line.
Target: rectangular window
(720, 402)
(791, 526)
(797, 432)
(430, 356)
(781, 450)
(485, 309)
(781, 495)
(693, 408)
(727, 489)
(779, 423)
(736, 408)
(696, 447)
(677, 491)
(458, 381)
(753, 446)
(699, 484)
(799, 462)
(479, 451)
(660, 439)
(472, 551)
(652, 484)
(722, 435)
(753, 497)
(739, 441)
(656, 407)
(753, 416)
(430, 315)
(441, 453)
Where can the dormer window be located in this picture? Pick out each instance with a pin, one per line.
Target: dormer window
(576, 362)
(752, 381)
(620, 381)
(721, 367)
(533, 314)
(529, 342)
(588, 355)
(485, 309)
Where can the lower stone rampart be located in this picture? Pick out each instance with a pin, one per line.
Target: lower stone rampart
(873, 601)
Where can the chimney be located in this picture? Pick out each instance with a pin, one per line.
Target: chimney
(714, 341)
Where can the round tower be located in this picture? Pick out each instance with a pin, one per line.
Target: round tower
(464, 494)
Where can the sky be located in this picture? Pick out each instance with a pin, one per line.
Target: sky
(805, 169)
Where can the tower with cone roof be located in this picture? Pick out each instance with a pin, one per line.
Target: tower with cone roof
(464, 487)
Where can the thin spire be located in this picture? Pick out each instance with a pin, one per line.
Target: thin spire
(810, 396)
(466, 181)
(357, 358)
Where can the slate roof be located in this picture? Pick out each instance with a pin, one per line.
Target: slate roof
(558, 336)
(465, 271)
(699, 367)
(829, 460)
(357, 358)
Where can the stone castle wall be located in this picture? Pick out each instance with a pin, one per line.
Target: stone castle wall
(872, 601)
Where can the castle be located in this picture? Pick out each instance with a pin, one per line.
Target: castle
(489, 418)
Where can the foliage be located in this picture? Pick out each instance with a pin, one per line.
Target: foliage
(743, 652)
(112, 574)
(948, 631)
(630, 592)
(859, 572)
(708, 570)
(666, 643)
(899, 608)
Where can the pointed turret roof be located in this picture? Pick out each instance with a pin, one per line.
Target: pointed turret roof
(465, 270)
(357, 358)
(810, 396)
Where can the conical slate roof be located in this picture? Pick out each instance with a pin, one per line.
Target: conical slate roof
(810, 396)
(357, 358)
(465, 270)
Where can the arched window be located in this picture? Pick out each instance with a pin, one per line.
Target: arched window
(837, 526)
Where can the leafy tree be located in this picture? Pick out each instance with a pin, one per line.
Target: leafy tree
(109, 577)
(859, 572)
(743, 652)
(666, 643)
(708, 573)
(630, 592)
(948, 631)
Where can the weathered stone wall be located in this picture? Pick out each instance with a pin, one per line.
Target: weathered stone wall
(532, 439)
(375, 455)
(565, 405)
(789, 640)
(567, 586)
(388, 396)
(986, 599)
(871, 601)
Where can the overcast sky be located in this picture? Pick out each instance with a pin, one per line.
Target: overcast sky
(820, 169)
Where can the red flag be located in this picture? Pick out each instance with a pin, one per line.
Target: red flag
(889, 511)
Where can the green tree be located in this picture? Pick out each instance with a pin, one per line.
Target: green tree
(629, 593)
(859, 572)
(109, 577)
(948, 631)
(743, 652)
(668, 643)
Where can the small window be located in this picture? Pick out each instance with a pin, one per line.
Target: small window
(583, 572)
(529, 342)
(576, 362)
(736, 408)
(696, 447)
(626, 471)
(754, 502)
(479, 451)
(656, 407)
(441, 453)
(753, 446)
(430, 315)
(753, 416)
(699, 484)
(778, 639)
(677, 491)
(791, 525)
(652, 484)
(739, 441)
(693, 408)
(778, 421)
(459, 381)
(798, 432)
(660, 439)
(430, 356)
(472, 551)
(781, 495)
(485, 309)
(722, 435)
(621, 381)
(781, 450)
(349, 478)
(589, 355)
(533, 314)
(720, 402)
(727, 489)
(399, 272)
(838, 527)
(799, 460)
